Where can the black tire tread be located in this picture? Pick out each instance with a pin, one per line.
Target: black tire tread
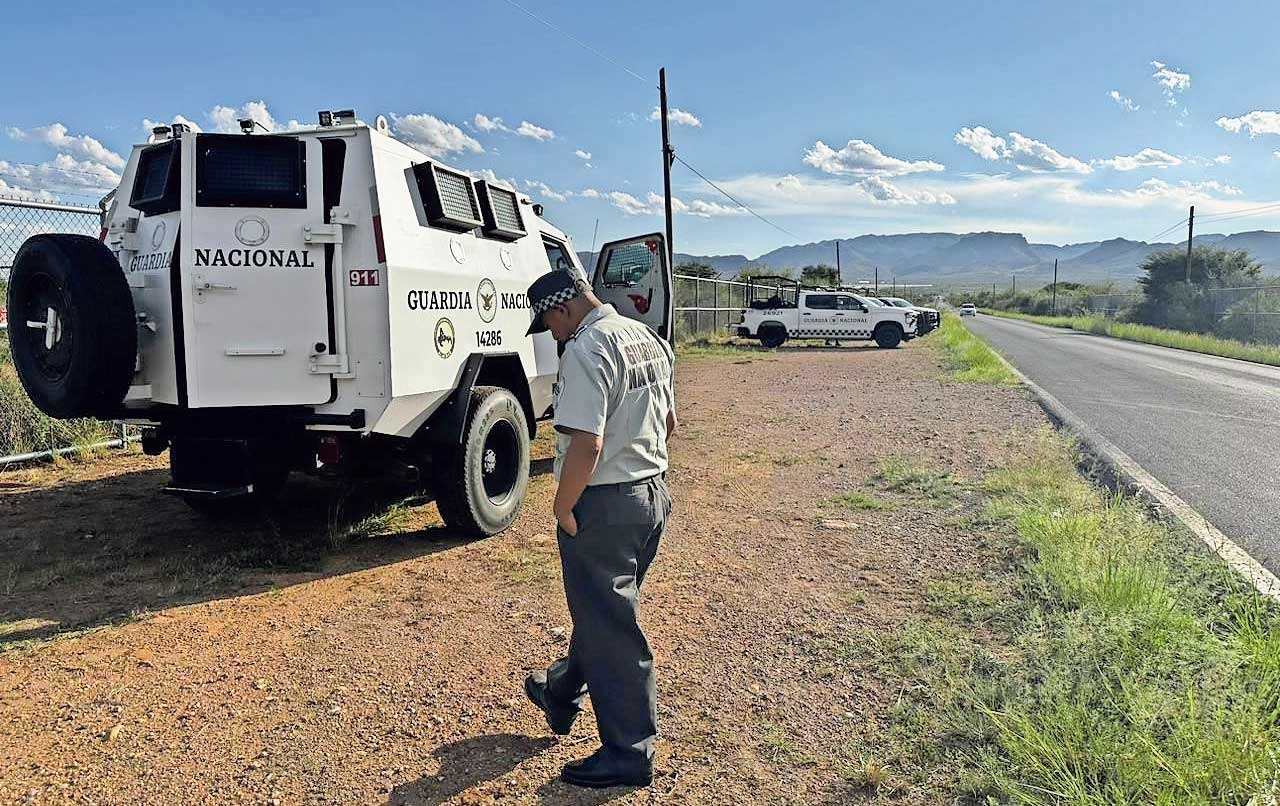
(449, 472)
(106, 316)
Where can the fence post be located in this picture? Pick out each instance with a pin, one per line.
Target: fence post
(697, 305)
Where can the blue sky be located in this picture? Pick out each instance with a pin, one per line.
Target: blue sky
(1067, 122)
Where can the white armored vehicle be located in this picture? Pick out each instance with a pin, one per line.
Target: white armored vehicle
(778, 308)
(329, 299)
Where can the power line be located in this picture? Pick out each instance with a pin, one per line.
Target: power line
(727, 195)
(639, 77)
(1244, 213)
(575, 39)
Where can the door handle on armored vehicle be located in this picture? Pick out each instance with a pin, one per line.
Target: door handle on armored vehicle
(203, 286)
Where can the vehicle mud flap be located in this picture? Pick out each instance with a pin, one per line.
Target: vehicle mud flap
(448, 425)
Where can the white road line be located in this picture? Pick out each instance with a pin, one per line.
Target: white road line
(1232, 554)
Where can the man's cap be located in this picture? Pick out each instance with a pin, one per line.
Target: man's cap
(548, 291)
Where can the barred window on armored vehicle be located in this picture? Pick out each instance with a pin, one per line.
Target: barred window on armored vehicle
(501, 210)
(262, 171)
(628, 264)
(448, 197)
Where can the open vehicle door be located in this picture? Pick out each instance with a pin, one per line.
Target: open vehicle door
(634, 276)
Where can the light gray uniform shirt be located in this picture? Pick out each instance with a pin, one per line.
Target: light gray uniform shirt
(616, 381)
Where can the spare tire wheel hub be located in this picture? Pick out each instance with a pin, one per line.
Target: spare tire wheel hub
(52, 327)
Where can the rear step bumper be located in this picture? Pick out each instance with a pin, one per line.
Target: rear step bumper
(208, 492)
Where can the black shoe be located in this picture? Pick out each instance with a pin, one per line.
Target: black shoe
(559, 716)
(605, 768)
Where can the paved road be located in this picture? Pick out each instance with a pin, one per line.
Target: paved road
(1208, 427)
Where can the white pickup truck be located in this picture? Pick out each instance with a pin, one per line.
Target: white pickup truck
(780, 313)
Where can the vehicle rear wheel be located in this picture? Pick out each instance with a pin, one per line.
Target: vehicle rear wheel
(480, 485)
(772, 336)
(73, 331)
(888, 336)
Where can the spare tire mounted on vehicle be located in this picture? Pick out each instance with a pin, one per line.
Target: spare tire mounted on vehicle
(72, 326)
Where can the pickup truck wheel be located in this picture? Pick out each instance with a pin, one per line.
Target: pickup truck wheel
(772, 336)
(73, 331)
(481, 484)
(888, 336)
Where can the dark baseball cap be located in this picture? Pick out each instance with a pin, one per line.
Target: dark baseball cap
(548, 291)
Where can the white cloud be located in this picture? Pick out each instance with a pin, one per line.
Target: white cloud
(149, 124)
(62, 174)
(1034, 155)
(547, 191)
(227, 119)
(653, 204)
(1025, 153)
(18, 192)
(982, 142)
(860, 158)
(628, 204)
(1276, 154)
(706, 209)
(583, 155)
(1256, 122)
(1222, 159)
(433, 136)
(1146, 158)
(1126, 104)
(527, 129)
(1171, 81)
(591, 193)
(82, 145)
(487, 124)
(678, 117)
(882, 191)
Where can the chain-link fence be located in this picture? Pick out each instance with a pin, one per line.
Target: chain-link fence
(1244, 313)
(707, 304)
(20, 219)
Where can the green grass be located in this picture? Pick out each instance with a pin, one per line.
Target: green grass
(394, 518)
(968, 357)
(1102, 659)
(905, 476)
(25, 428)
(859, 501)
(1195, 342)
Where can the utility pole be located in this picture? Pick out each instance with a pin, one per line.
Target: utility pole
(668, 157)
(877, 279)
(1054, 307)
(839, 278)
(1014, 293)
(1191, 222)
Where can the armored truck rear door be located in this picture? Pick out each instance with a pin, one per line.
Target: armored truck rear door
(254, 290)
(634, 276)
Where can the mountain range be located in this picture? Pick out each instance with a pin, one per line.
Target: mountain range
(944, 257)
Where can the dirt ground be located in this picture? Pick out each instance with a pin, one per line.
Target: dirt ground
(322, 657)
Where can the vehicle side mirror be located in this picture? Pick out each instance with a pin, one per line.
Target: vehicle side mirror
(863, 308)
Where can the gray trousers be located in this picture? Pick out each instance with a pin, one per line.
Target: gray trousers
(619, 528)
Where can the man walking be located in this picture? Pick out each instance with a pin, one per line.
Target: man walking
(614, 409)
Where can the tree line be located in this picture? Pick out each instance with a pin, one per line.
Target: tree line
(1223, 293)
